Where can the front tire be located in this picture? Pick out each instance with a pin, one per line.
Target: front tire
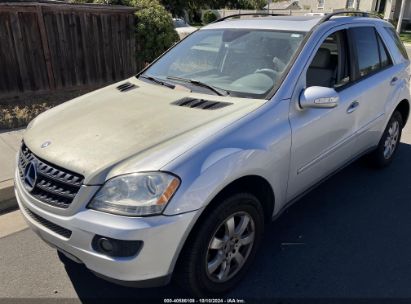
(388, 145)
(221, 248)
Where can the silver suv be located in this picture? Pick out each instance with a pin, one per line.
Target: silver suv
(176, 170)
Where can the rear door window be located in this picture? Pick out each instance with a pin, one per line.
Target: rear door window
(366, 45)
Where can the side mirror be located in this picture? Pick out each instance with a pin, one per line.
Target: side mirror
(318, 97)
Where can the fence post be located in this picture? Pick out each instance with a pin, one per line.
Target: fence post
(46, 48)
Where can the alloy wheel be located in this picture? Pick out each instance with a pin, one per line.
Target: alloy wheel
(230, 247)
(391, 141)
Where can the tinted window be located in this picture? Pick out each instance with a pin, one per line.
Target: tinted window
(366, 44)
(385, 58)
(397, 41)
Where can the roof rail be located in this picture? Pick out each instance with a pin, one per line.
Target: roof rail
(252, 14)
(358, 13)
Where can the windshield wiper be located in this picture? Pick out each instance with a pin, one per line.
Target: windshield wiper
(158, 81)
(218, 91)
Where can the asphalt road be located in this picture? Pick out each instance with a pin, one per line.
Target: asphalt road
(353, 234)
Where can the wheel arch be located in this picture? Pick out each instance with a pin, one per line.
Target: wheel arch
(404, 108)
(253, 184)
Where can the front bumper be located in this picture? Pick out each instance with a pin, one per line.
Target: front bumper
(162, 237)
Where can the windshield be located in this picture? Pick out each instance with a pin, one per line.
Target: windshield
(239, 62)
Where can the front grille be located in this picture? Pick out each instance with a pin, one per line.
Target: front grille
(49, 225)
(54, 186)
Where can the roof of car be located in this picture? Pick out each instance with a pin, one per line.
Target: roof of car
(281, 23)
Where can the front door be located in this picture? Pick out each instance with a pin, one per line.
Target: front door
(324, 139)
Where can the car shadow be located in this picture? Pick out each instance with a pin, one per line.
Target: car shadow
(348, 238)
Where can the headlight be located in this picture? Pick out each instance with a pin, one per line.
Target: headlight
(136, 194)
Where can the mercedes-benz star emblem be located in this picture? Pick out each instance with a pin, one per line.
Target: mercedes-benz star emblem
(46, 144)
(30, 176)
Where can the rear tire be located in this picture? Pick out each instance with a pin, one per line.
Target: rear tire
(220, 249)
(388, 145)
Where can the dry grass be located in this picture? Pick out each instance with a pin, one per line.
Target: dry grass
(19, 111)
(12, 116)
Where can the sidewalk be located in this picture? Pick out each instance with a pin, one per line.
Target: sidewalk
(9, 146)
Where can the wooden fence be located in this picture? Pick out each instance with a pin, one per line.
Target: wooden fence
(46, 46)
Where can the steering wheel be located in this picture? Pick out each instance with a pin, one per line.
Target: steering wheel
(269, 72)
(279, 65)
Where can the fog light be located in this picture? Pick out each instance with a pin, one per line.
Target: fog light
(105, 245)
(116, 248)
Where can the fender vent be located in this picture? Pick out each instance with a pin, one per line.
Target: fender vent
(200, 103)
(127, 86)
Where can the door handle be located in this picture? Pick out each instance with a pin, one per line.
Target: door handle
(394, 81)
(353, 106)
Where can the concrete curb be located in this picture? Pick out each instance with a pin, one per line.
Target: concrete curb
(7, 200)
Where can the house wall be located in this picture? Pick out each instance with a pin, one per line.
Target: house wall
(367, 5)
(329, 5)
(407, 11)
(392, 7)
(389, 9)
(392, 10)
(407, 14)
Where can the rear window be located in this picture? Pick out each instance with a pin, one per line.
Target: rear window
(401, 48)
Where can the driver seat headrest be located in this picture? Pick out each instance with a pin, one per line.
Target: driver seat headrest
(322, 59)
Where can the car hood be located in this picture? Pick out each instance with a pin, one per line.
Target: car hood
(97, 131)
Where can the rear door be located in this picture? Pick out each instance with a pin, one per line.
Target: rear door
(376, 80)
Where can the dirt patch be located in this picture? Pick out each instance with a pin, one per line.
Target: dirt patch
(18, 111)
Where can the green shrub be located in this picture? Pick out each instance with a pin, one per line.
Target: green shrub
(155, 31)
(209, 16)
